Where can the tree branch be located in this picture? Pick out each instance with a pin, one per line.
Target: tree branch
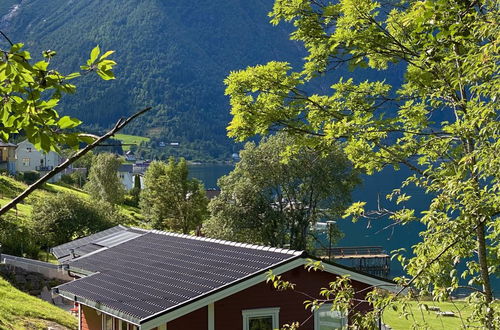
(6, 38)
(118, 126)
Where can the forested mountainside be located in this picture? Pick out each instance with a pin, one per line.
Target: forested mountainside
(171, 54)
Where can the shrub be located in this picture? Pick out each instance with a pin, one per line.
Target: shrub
(29, 177)
(67, 179)
(17, 237)
(64, 217)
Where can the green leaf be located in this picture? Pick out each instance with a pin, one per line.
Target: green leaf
(94, 54)
(49, 53)
(42, 65)
(72, 76)
(68, 122)
(106, 75)
(109, 52)
(16, 47)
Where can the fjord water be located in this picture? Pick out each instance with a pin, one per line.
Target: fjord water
(373, 190)
(364, 232)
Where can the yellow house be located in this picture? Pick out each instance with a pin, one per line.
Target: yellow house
(8, 157)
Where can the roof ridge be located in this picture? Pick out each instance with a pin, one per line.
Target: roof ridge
(136, 228)
(224, 242)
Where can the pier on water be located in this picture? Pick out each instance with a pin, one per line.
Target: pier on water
(368, 259)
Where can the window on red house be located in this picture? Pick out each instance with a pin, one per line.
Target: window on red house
(261, 319)
(326, 319)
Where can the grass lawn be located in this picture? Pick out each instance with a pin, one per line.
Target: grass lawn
(60, 187)
(19, 310)
(10, 188)
(433, 321)
(130, 139)
(23, 210)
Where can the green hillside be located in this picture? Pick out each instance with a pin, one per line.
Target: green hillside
(18, 233)
(173, 55)
(130, 139)
(19, 310)
(10, 188)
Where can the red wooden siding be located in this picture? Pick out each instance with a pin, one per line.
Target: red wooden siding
(197, 320)
(89, 319)
(228, 311)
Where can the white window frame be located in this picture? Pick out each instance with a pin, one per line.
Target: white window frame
(103, 321)
(274, 312)
(26, 162)
(328, 307)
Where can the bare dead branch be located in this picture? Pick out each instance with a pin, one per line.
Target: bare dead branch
(118, 126)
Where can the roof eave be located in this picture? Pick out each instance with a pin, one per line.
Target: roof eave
(98, 306)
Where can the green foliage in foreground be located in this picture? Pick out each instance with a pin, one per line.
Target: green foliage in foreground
(31, 91)
(19, 310)
(442, 123)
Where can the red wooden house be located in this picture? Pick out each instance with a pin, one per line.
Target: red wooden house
(138, 279)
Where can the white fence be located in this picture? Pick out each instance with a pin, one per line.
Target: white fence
(45, 268)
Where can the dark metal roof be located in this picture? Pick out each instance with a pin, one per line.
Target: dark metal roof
(7, 144)
(212, 193)
(92, 243)
(128, 168)
(158, 271)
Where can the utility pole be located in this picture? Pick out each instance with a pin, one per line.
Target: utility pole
(329, 225)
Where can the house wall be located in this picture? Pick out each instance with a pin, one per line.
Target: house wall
(8, 159)
(7, 154)
(89, 320)
(28, 159)
(127, 179)
(194, 320)
(228, 311)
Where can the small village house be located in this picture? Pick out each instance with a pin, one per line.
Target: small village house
(129, 156)
(128, 173)
(130, 278)
(29, 159)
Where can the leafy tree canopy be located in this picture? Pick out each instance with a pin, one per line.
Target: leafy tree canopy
(64, 217)
(103, 181)
(442, 123)
(170, 199)
(271, 201)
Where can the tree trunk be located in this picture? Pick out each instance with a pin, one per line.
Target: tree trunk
(483, 266)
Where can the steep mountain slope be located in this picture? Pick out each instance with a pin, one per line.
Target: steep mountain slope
(171, 54)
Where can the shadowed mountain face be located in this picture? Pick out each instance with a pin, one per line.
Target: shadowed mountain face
(171, 54)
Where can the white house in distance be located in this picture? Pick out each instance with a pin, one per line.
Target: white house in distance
(126, 175)
(129, 156)
(128, 172)
(28, 159)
